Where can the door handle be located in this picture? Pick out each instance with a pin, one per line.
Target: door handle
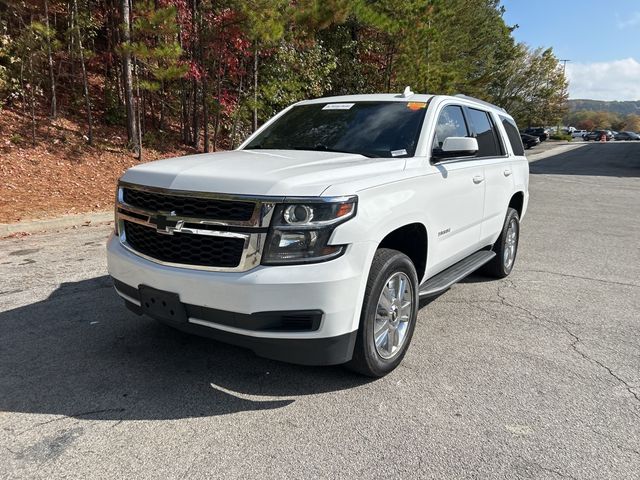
(507, 172)
(478, 179)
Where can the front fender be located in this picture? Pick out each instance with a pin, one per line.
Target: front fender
(383, 209)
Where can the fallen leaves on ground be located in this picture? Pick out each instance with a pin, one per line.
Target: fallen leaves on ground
(61, 174)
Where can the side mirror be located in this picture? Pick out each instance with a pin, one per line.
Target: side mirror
(456, 147)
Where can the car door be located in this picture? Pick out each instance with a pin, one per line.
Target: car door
(457, 192)
(498, 172)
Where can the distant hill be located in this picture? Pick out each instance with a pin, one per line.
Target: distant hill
(621, 108)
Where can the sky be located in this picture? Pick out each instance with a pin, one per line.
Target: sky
(601, 39)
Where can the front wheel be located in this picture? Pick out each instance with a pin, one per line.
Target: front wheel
(389, 313)
(506, 247)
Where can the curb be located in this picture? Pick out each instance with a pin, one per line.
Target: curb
(30, 226)
(554, 151)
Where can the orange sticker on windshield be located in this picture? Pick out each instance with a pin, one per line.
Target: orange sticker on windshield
(416, 105)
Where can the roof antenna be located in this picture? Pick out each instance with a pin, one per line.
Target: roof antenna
(407, 92)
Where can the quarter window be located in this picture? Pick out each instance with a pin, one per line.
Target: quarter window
(514, 136)
(485, 131)
(451, 123)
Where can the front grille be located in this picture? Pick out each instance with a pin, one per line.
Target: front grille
(186, 206)
(185, 248)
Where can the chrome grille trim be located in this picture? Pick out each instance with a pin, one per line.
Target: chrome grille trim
(253, 241)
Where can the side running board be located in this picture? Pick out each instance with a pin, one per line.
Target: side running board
(455, 273)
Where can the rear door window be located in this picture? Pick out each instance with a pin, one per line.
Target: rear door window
(513, 135)
(486, 134)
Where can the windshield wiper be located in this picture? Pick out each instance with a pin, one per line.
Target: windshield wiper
(318, 148)
(323, 148)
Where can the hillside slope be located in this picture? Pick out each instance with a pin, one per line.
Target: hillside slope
(620, 108)
(61, 174)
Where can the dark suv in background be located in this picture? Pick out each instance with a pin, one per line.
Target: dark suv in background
(627, 136)
(540, 132)
(597, 134)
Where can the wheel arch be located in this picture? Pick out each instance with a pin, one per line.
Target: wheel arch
(517, 202)
(412, 240)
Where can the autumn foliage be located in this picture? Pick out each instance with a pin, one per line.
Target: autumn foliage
(147, 78)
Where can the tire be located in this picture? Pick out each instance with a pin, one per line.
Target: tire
(376, 359)
(506, 247)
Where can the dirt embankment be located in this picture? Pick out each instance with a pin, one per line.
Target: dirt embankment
(60, 174)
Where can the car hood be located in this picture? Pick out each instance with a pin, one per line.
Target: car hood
(261, 172)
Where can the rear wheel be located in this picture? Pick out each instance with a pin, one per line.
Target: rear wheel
(389, 313)
(506, 247)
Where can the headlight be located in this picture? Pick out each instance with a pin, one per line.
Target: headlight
(300, 230)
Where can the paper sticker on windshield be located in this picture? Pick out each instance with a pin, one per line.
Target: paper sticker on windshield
(416, 105)
(397, 153)
(338, 106)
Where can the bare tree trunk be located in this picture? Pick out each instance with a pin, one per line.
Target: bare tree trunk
(132, 133)
(237, 115)
(184, 112)
(54, 103)
(205, 114)
(196, 115)
(163, 96)
(32, 100)
(71, 46)
(139, 121)
(389, 66)
(216, 124)
(23, 91)
(142, 104)
(85, 81)
(205, 104)
(255, 86)
(194, 52)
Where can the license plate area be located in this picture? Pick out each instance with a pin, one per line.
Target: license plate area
(162, 305)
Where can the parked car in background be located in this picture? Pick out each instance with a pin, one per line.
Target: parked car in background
(597, 135)
(627, 136)
(529, 141)
(578, 133)
(539, 132)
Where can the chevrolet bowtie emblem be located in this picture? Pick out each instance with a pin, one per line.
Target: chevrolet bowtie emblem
(167, 226)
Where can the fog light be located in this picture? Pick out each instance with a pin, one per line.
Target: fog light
(299, 240)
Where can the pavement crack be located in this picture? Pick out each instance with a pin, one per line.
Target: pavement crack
(583, 277)
(11, 451)
(574, 343)
(553, 470)
(543, 322)
(609, 438)
(574, 346)
(9, 292)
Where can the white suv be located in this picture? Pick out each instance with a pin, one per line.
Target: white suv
(315, 240)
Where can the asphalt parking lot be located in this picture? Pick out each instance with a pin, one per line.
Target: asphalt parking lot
(535, 376)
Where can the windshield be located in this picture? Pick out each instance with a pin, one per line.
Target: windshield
(372, 129)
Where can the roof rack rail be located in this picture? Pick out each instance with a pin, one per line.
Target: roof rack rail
(460, 95)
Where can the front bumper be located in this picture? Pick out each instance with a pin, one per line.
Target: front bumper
(334, 288)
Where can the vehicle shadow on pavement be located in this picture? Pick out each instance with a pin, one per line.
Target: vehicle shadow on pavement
(622, 160)
(80, 353)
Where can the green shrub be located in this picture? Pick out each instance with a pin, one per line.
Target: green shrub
(561, 136)
(114, 113)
